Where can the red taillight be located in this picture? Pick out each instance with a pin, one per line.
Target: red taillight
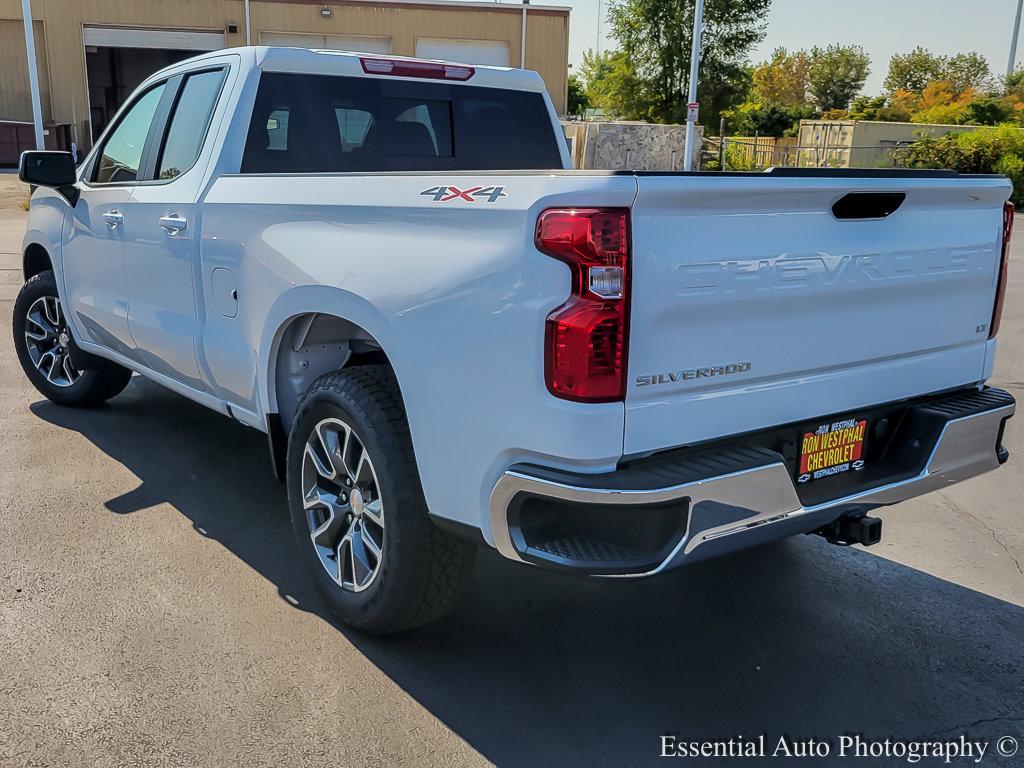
(585, 339)
(1004, 268)
(409, 68)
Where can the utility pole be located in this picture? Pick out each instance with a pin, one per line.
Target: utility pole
(33, 74)
(691, 116)
(248, 29)
(1013, 42)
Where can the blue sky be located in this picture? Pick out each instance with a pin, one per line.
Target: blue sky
(882, 27)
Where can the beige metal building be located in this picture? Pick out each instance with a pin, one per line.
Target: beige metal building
(91, 54)
(861, 143)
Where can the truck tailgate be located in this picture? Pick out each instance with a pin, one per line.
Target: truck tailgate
(753, 305)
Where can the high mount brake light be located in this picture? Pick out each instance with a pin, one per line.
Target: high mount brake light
(586, 338)
(1004, 268)
(408, 68)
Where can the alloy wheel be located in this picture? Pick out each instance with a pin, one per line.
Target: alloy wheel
(47, 338)
(343, 505)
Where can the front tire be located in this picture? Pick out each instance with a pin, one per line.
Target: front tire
(42, 340)
(358, 511)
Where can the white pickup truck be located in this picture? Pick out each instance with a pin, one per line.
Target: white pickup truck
(452, 339)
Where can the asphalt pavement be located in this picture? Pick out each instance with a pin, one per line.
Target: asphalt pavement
(154, 611)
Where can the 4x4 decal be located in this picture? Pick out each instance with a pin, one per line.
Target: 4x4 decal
(469, 195)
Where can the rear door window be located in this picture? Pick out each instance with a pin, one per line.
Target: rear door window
(189, 123)
(317, 123)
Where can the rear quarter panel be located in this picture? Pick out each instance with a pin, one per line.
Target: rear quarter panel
(454, 292)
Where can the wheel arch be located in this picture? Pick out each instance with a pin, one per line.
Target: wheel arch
(311, 331)
(42, 243)
(312, 344)
(35, 260)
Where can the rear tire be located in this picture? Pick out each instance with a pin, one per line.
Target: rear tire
(42, 340)
(358, 511)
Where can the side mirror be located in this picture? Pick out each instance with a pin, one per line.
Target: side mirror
(47, 169)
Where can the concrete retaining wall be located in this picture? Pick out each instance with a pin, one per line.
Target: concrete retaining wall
(629, 146)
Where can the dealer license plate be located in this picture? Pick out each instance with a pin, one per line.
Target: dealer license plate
(832, 449)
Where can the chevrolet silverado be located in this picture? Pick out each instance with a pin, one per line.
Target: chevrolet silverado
(451, 339)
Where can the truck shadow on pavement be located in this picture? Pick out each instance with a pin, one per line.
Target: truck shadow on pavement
(798, 639)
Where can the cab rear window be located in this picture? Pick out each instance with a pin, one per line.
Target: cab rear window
(327, 123)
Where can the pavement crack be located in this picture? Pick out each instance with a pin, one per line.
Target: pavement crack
(975, 724)
(995, 535)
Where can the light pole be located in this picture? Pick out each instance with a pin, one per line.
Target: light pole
(1013, 42)
(522, 41)
(33, 75)
(691, 117)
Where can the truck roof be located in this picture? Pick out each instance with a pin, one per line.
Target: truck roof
(332, 62)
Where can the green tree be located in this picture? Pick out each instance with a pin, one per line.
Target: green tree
(784, 79)
(655, 37)
(595, 67)
(989, 111)
(755, 117)
(913, 71)
(1013, 84)
(578, 100)
(611, 83)
(967, 71)
(866, 107)
(837, 74)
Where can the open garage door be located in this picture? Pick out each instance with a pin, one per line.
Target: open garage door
(492, 52)
(357, 43)
(118, 59)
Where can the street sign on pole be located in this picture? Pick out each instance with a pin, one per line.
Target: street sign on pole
(33, 74)
(691, 116)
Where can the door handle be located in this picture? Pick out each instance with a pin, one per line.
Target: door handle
(113, 218)
(173, 224)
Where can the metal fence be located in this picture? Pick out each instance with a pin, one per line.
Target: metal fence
(745, 153)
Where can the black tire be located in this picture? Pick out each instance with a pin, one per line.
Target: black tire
(93, 387)
(423, 570)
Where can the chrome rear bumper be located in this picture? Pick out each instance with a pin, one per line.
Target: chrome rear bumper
(754, 504)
